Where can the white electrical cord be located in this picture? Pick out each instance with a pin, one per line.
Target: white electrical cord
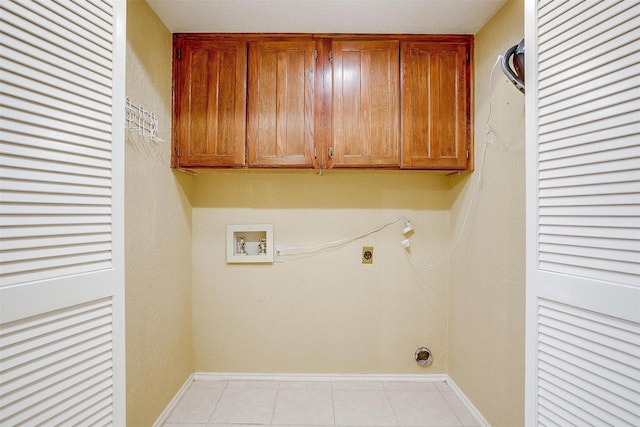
(476, 187)
(307, 250)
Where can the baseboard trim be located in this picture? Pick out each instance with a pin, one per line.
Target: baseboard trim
(238, 376)
(172, 404)
(224, 376)
(482, 422)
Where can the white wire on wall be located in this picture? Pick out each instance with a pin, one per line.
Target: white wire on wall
(301, 251)
(308, 250)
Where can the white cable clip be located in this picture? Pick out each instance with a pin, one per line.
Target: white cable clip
(408, 227)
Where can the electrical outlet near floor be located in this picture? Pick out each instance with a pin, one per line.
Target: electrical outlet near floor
(367, 254)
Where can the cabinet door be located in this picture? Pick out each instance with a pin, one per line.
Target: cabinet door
(210, 103)
(281, 103)
(436, 125)
(365, 103)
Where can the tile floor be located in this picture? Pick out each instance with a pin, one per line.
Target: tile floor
(319, 403)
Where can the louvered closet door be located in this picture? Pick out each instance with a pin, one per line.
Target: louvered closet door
(583, 213)
(61, 213)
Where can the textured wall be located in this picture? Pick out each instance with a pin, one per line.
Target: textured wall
(158, 233)
(324, 313)
(486, 316)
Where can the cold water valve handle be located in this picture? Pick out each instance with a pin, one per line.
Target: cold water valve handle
(516, 77)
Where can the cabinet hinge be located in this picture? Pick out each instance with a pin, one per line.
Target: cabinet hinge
(330, 152)
(315, 54)
(330, 55)
(179, 54)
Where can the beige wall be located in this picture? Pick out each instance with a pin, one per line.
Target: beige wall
(325, 313)
(486, 315)
(158, 233)
(187, 310)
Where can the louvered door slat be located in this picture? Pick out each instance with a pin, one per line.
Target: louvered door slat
(72, 228)
(590, 242)
(589, 190)
(16, 173)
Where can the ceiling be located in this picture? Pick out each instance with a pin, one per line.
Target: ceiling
(326, 16)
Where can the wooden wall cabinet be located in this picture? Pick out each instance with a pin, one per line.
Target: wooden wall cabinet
(322, 101)
(436, 124)
(281, 103)
(209, 104)
(365, 103)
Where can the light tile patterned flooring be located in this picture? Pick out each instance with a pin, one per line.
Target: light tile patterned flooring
(319, 403)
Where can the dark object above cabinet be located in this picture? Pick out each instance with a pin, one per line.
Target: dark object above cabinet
(322, 101)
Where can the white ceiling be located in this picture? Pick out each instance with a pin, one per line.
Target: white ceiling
(326, 16)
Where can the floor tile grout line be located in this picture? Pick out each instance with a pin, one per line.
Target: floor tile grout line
(451, 407)
(395, 415)
(226, 384)
(275, 403)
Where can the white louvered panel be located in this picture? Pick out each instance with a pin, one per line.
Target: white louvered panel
(589, 367)
(545, 7)
(581, 24)
(590, 84)
(589, 145)
(57, 367)
(55, 145)
(64, 28)
(65, 93)
(9, 172)
(588, 128)
(57, 153)
(574, 67)
(49, 64)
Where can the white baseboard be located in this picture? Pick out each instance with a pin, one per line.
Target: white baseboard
(172, 404)
(482, 422)
(225, 376)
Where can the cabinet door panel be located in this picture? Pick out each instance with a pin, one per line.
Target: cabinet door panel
(365, 103)
(210, 103)
(435, 105)
(281, 103)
